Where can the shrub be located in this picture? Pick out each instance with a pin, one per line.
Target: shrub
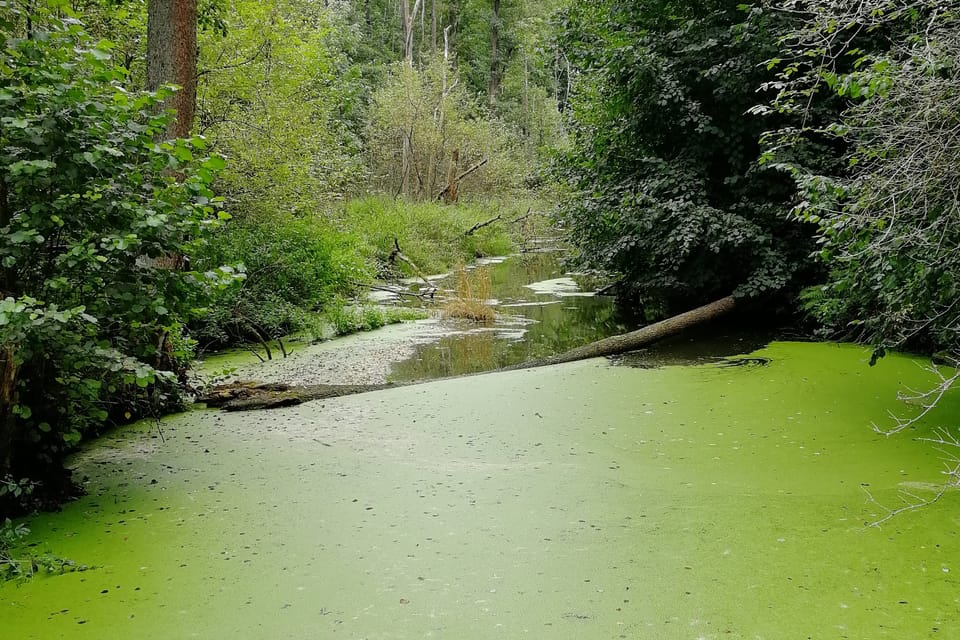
(473, 292)
(293, 268)
(345, 319)
(91, 208)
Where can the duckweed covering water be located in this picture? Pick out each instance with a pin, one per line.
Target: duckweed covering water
(581, 501)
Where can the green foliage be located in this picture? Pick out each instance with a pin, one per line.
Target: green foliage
(430, 234)
(346, 319)
(270, 98)
(887, 221)
(292, 267)
(419, 116)
(665, 186)
(92, 208)
(17, 564)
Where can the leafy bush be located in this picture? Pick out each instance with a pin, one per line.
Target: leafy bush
(663, 165)
(886, 216)
(293, 267)
(346, 319)
(95, 217)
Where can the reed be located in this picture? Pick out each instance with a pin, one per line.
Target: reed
(472, 292)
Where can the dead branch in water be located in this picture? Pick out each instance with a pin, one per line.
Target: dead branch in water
(397, 254)
(397, 292)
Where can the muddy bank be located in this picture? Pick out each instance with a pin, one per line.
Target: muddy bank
(362, 358)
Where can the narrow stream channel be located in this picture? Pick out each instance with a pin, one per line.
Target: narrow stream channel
(541, 310)
(577, 502)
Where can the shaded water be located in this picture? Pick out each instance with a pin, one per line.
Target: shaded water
(531, 322)
(571, 502)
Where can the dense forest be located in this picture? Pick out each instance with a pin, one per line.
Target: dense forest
(182, 175)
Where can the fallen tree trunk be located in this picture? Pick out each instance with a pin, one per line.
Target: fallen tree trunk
(638, 339)
(244, 396)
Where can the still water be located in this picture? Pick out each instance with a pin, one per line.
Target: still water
(541, 311)
(574, 502)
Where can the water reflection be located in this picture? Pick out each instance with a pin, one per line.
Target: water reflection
(529, 325)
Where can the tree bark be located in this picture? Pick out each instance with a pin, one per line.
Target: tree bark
(409, 18)
(407, 31)
(451, 190)
(454, 180)
(172, 58)
(8, 398)
(525, 121)
(247, 396)
(494, 84)
(433, 27)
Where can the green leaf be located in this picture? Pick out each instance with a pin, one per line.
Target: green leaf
(99, 54)
(215, 163)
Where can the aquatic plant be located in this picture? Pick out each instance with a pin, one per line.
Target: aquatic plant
(472, 293)
(14, 565)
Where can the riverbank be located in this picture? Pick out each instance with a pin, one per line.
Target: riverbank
(532, 318)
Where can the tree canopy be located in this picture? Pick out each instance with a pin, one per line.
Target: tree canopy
(666, 186)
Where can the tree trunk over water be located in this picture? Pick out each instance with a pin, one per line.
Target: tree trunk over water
(246, 396)
(640, 338)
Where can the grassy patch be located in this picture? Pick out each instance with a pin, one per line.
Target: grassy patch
(346, 319)
(473, 292)
(432, 235)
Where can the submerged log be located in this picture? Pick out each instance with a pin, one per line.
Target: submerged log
(245, 396)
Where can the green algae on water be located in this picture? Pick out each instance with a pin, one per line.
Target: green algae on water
(579, 501)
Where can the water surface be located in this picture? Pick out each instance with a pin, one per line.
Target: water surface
(541, 311)
(579, 501)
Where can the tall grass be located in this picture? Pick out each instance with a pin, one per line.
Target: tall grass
(473, 293)
(430, 234)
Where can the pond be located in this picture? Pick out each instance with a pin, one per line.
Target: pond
(579, 501)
